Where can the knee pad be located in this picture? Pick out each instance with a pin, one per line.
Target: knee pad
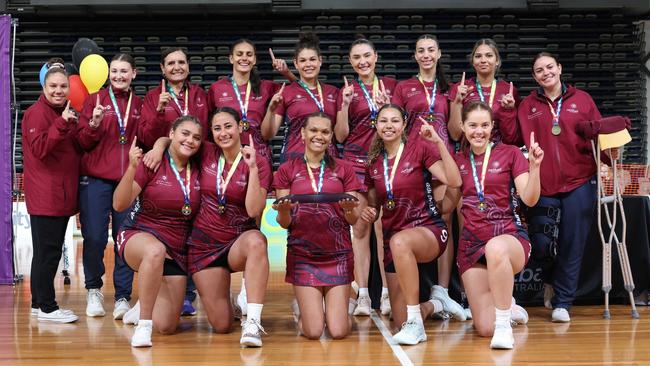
(543, 227)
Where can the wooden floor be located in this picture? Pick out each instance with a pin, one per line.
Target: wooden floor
(587, 340)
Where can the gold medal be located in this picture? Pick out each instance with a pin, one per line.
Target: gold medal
(221, 208)
(187, 209)
(556, 130)
(122, 140)
(390, 204)
(244, 125)
(482, 206)
(430, 117)
(373, 123)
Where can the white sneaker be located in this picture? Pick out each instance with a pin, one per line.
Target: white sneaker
(242, 303)
(518, 314)
(384, 307)
(560, 315)
(412, 333)
(95, 303)
(363, 306)
(121, 307)
(133, 315)
(295, 309)
(250, 333)
(34, 312)
(468, 313)
(548, 295)
(502, 338)
(142, 335)
(57, 316)
(355, 287)
(448, 304)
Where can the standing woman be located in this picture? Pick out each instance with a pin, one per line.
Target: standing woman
(399, 177)
(493, 245)
(109, 120)
(555, 112)
(175, 97)
(300, 99)
(152, 241)
(500, 95)
(358, 105)
(319, 262)
(51, 172)
(425, 98)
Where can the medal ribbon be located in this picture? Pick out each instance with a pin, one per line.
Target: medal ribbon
(122, 122)
(556, 113)
(184, 112)
(480, 186)
(374, 109)
(186, 186)
(221, 189)
(389, 182)
(243, 105)
(319, 101)
(316, 189)
(493, 91)
(431, 98)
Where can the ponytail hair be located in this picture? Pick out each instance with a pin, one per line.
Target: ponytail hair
(329, 160)
(309, 41)
(361, 39)
(255, 78)
(443, 81)
(55, 65)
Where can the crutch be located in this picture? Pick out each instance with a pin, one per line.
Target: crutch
(607, 142)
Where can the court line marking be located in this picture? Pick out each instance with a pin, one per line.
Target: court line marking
(388, 337)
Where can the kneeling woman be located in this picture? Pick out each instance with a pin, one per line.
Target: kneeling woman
(399, 178)
(319, 250)
(153, 238)
(494, 246)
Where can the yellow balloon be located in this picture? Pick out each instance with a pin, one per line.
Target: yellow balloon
(93, 72)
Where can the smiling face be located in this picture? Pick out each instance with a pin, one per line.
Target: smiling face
(121, 74)
(308, 63)
(56, 88)
(546, 72)
(225, 130)
(485, 60)
(477, 128)
(427, 53)
(363, 59)
(243, 58)
(317, 134)
(390, 124)
(186, 139)
(175, 67)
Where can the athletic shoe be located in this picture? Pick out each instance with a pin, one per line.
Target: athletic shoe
(412, 333)
(57, 316)
(242, 302)
(236, 310)
(363, 306)
(34, 312)
(502, 338)
(518, 314)
(548, 295)
(188, 308)
(384, 307)
(142, 335)
(560, 315)
(448, 304)
(355, 287)
(468, 313)
(121, 307)
(132, 316)
(95, 303)
(295, 309)
(250, 333)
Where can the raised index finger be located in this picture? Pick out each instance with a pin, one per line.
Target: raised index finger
(67, 106)
(462, 79)
(97, 103)
(163, 86)
(271, 53)
(532, 138)
(281, 88)
(345, 79)
(511, 89)
(135, 140)
(424, 121)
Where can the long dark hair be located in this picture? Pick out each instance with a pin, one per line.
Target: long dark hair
(443, 81)
(377, 145)
(329, 160)
(255, 73)
(232, 112)
(493, 46)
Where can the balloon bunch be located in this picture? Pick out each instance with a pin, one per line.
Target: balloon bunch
(87, 73)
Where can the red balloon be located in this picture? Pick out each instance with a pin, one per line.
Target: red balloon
(78, 92)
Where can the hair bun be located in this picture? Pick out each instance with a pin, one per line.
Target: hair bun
(359, 36)
(308, 38)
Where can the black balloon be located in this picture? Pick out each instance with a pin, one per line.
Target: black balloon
(83, 48)
(71, 69)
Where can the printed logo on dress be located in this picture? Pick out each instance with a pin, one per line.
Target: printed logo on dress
(496, 168)
(534, 113)
(407, 168)
(573, 108)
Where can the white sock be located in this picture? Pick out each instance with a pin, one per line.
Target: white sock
(384, 291)
(254, 311)
(413, 313)
(243, 286)
(352, 304)
(437, 305)
(502, 316)
(512, 305)
(363, 291)
(145, 322)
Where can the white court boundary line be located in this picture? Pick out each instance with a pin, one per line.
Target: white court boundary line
(397, 349)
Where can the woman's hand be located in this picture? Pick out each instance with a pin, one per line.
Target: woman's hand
(276, 100)
(369, 214)
(429, 132)
(248, 154)
(462, 91)
(284, 206)
(508, 100)
(135, 154)
(164, 98)
(98, 114)
(535, 153)
(348, 92)
(69, 114)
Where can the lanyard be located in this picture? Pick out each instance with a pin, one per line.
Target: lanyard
(221, 187)
(431, 98)
(389, 182)
(187, 209)
(319, 103)
(556, 129)
(316, 189)
(122, 122)
(374, 109)
(493, 91)
(243, 105)
(184, 112)
(480, 186)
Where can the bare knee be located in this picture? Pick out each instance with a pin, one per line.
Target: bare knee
(495, 252)
(221, 324)
(166, 328)
(398, 246)
(257, 245)
(484, 328)
(312, 331)
(339, 332)
(156, 253)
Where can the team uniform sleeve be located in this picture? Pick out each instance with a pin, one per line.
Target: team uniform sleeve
(143, 175)
(152, 123)
(350, 180)
(264, 172)
(42, 136)
(282, 179)
(453, 90)
(429, 153)
(397, 97)
(369, 183)
(519, 162)
(88, 137)
(282, 107)
(339, 100)
(212, 105)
